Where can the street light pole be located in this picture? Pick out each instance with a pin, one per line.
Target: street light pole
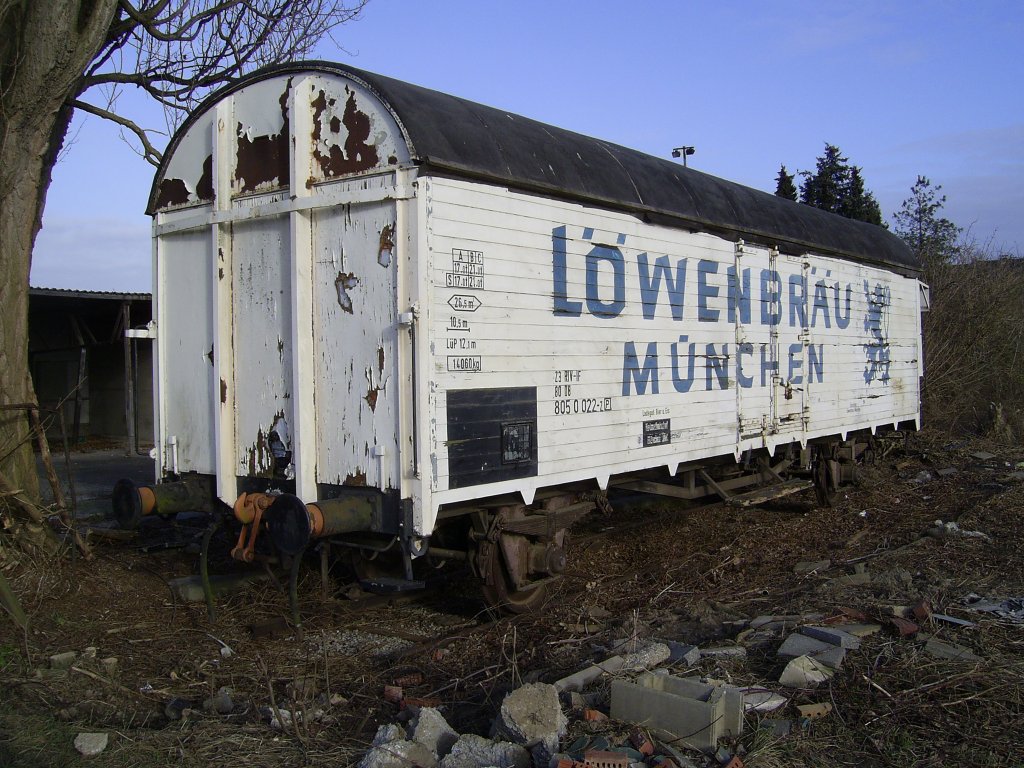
(683, 152)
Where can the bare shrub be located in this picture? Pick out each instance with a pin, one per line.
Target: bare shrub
(973, 344)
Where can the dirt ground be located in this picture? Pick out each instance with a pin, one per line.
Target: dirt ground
(665, 572)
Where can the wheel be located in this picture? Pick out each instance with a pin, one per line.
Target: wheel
(500, 593)
(824, 481)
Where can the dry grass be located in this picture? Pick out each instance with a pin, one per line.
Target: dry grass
(675, 574)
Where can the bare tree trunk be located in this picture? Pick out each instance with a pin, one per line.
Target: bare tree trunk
(45, 46)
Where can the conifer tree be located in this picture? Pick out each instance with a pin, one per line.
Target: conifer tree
(784, 185)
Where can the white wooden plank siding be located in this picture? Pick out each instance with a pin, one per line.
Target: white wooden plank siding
(516, 338)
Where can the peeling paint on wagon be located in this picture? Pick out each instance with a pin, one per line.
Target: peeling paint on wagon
(344, 283)
(337, 155)
(262, 160)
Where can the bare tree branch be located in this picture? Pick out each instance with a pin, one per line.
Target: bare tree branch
(150, 153)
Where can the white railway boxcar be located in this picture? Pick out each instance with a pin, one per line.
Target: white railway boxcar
(401, 321)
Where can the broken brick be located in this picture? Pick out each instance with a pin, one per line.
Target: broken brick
(813, 711)
(905, 627)
(393, 693)
(641, 742)
(414, 701)
(854, 614)
(594, 716)
(597, 758)
(410, 680)
(922, 610)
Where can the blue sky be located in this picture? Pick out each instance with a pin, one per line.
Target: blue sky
(908, 88)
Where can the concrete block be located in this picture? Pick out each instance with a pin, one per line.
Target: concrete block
(832, 636)
(696, 713)
(798, 644)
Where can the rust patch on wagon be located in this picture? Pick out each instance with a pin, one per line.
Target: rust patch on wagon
(263, 162)
(343, 284)
(359, 478)
(204, 187)
(172, 192)
(355, 154)
(223, 392)
(380, 359)
(371, 397)
(387, 246)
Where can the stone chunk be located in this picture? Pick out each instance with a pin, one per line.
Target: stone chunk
(852, 580)
(532, 716)
(387, 733)
(804, 672)
(832, 636)
(91, 744)
(472, 751)
(398, 754)
(951, 651)
(220, 703)
(430, 729)
(723, 652)
(580, 680)
(63, 661)
(860, 630)
(189, 589)
(811, 566)
(798, 644)
(688, 654)
(762, 700)
(647, 657)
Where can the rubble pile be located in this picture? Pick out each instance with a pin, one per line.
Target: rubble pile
(652, 706)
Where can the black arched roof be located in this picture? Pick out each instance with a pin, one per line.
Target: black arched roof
(456, 137)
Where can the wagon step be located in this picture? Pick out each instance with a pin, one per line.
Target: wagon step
(386, 585)
(761, 495)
